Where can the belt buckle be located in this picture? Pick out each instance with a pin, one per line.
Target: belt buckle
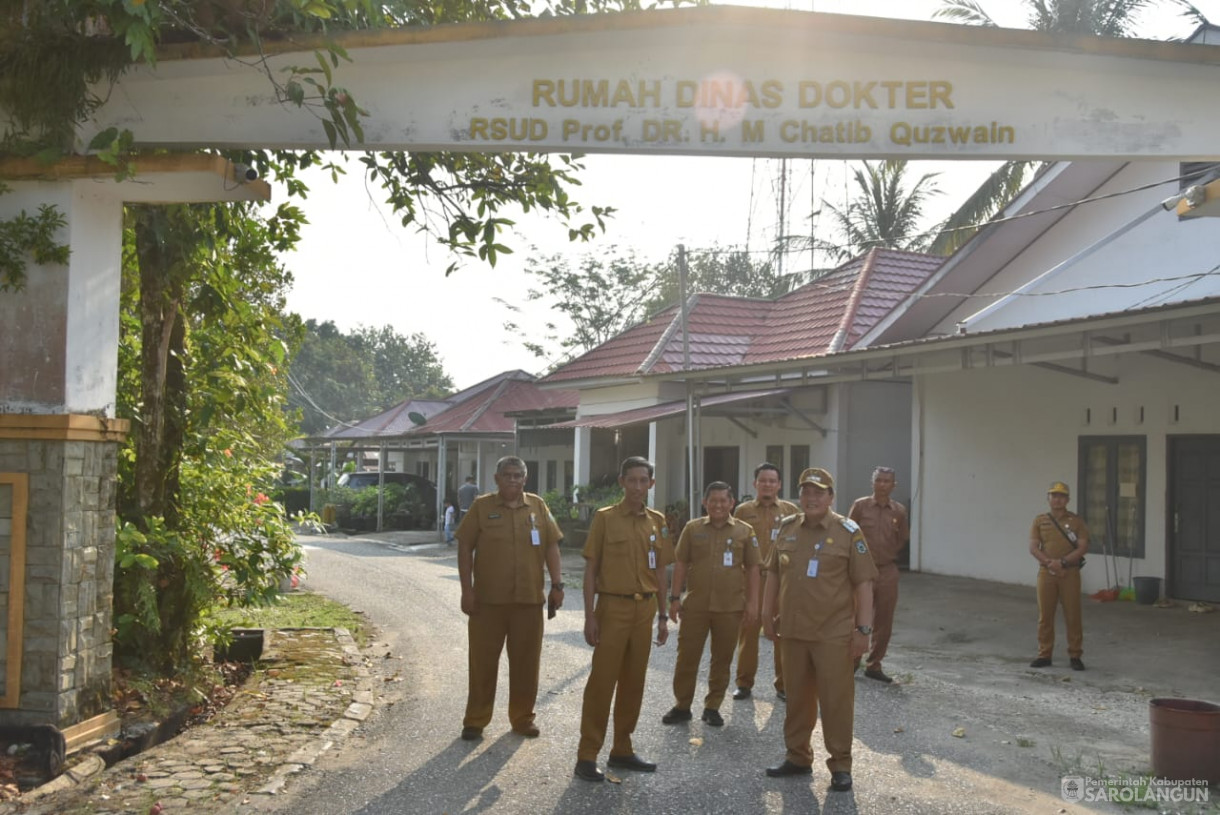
(637, 596)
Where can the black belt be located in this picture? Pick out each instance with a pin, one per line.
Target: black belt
(637, 596)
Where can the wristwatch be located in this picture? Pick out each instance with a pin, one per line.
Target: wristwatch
(675, 598)
(556, 586)
(866, 630)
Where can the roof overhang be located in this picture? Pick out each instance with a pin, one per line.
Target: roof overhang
(725, 404)
(1164, 332)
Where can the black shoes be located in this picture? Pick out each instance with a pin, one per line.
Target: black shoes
(840, 781)
(530, 731)
(742, 693)
(472, 733)
(780, 695)
(1041, 662)
(788, 768)
(587, 771)
(1077, 665)
(631, 762)
(712, 717)
(879, 675)
(676, 715)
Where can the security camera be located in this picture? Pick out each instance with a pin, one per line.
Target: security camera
(244, 173)
(1193, 196)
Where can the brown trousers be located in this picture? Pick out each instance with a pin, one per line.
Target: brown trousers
(885, 601)
(521, 626)
(692, 634)
(819, 673)
(1054, 590)
(620, 662)
(747, 654)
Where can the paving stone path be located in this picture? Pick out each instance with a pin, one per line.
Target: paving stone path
(310, 691)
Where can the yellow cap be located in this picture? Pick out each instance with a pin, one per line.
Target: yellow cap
(818, 477)
(1060, 487)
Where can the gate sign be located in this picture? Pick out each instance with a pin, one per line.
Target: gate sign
(713, 81)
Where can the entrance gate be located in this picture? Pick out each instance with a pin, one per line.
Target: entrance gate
(708, 81)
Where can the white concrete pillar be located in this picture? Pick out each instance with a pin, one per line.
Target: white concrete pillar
(582, 450)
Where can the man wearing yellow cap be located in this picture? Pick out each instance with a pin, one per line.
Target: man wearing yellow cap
(820, 584)
(1058, 540)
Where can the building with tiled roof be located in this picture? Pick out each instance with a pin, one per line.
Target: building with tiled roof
(633, 388)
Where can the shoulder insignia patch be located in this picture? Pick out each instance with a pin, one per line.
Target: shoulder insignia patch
(664, 531)
(754, 541)
(861, 547)
(850, 525)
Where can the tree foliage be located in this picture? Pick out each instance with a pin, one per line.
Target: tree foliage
(884, 211)
(202, 349)
(338, 377)
(605, 294)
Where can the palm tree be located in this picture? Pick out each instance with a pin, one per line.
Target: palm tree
(1099, 18)
(884, 212)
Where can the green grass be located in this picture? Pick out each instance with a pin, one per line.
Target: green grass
(1023, 742)
(300, 609)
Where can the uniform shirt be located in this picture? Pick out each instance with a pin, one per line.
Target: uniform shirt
(765, 521)
(885, 528)
(622, 539)
(712, 582)
(823, 607)
(1054, 544)
(507, 565)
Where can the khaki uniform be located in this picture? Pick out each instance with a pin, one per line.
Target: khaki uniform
(764, 519)
(818, 570)
(719, 560)
(887, 531)
(627, 603)
(508, 584)
(1063, 588)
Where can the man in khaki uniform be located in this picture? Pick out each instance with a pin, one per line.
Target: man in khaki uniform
(1058, 540)
(887, 531)
(820, 583)
(503, 542)
(763, 514)
(717, 562)
(626, 554)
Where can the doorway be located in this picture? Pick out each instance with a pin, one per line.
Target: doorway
(1193, 518)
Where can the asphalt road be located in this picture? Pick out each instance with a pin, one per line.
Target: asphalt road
(1016, 739)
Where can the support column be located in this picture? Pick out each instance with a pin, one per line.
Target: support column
(59, 345)
(582, 452)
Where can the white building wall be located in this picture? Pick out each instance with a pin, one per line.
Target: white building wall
(993, 439)
(878, 433)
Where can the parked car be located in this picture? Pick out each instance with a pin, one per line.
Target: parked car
(423, 517)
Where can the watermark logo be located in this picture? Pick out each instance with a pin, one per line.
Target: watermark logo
(1139, 790)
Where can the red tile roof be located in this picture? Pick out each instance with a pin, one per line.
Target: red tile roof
(829, 313)
(486, 413)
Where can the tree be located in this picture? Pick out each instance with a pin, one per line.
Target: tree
(718, 271)
(1098, 18)
(608, 293)
(884, 211)
(600, 298)
(341, 377)
(202, 350)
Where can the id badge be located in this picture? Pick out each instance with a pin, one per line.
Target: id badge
(812, 571)
(535, 538)
(775, 533)
(652, 558)
(728, 557)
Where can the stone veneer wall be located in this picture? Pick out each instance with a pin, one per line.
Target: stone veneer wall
(69, 580)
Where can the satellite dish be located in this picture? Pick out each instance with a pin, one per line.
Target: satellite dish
(416, 417)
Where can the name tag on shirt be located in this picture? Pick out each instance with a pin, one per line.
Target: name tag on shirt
(775, 533)
(728, 558)
(535, 538)
(812, 571)
(652, 558)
